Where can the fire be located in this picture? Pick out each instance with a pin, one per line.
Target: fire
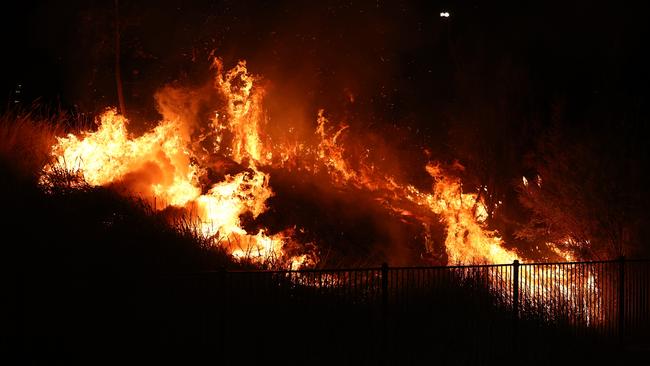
(220, 210)
(170, 163)
(464, 214)
(467, 239)
(167, 164)
(330, 152)
(244, 112)
(162, 164)
(158, 163)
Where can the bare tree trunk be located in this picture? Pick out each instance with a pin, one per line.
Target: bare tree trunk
(118, 71)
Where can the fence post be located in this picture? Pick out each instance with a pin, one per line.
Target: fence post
(515, 304)
(621, 300)
(384, 286)
(384, 314)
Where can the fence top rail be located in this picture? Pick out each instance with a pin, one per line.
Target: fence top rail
(457, 266)
(583, 262)
(532, 264)
(377, 270)
(366, 269)
(298, 271)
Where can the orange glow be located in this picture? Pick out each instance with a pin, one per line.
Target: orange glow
(467, 238)
(165, 163)
(244, 116)
(161, 164)
(157, 162)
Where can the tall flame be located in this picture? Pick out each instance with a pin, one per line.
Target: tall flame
(156, 163)
(165, 163)
(467, 238)
(161, 164)
(467, 241)
(244, 112)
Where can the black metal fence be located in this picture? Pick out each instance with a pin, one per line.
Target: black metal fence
(609, 299)
(455, 315)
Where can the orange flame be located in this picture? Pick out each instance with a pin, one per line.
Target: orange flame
(164, 163)
(160, 164)
(244, 112)
(157, 162)
(467, 238)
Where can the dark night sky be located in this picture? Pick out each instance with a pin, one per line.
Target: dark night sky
(578, 49)
(490, 64)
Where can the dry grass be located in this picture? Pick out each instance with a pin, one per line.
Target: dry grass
(27, 137)
(77, 213)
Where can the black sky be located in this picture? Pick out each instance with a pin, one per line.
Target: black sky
(404, 64)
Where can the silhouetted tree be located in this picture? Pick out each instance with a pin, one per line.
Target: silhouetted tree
(587, 190)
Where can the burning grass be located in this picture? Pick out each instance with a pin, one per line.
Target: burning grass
(213, 172)
(95, 249)
(218, 167)
(73, 224)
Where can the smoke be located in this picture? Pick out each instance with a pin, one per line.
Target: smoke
(192, 106)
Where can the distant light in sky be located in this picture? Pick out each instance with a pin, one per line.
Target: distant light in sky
(444, 14)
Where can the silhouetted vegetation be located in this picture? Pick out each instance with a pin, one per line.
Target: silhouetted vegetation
(73, 255)
(92, 272)
(587, 186)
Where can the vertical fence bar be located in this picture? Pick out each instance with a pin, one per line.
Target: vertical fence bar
(384, 287)
(621, 301)
(583, 294)
(515, 303)
(384, 313)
